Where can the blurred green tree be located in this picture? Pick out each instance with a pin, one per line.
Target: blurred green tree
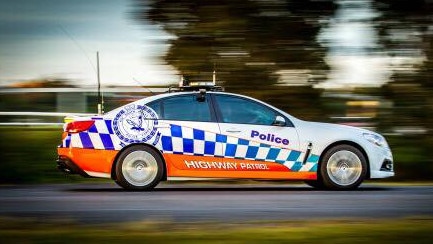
(407, 35)
(248, 41)
(406, 30)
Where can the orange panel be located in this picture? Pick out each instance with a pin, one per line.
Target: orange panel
(90, 159)
(190, 166)
(210, 167)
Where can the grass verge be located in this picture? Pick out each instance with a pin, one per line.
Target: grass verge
(415, 230)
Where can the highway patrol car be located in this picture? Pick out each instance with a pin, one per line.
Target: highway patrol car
(204, 133)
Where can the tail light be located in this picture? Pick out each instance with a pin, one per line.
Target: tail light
(78, 126)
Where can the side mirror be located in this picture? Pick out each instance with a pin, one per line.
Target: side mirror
(279, 121)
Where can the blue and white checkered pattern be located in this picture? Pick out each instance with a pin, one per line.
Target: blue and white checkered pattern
(190, 141)
(99, 136)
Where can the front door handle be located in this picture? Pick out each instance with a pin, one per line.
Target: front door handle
(233, 131)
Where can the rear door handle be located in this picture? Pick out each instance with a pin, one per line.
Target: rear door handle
(233, 131)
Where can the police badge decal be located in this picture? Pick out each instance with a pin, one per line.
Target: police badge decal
(136, 123)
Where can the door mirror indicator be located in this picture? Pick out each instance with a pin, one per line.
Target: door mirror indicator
(279, 121)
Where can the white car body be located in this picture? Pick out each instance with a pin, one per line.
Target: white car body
(304, 143)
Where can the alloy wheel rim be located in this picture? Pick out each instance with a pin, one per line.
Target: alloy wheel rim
(139, 168)
(344, 168)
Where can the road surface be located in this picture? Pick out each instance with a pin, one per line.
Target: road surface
(105, 202)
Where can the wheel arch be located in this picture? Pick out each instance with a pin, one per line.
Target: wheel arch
(350, 143)
(113, 166)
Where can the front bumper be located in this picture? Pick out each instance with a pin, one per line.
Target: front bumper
(381, 162)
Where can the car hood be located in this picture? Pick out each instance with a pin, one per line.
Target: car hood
(345, 128)
(331, 132)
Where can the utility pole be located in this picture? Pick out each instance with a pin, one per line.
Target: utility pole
(100, 99)
(214, 75)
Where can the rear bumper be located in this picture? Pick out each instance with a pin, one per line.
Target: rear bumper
(66, 165)
(86, 162)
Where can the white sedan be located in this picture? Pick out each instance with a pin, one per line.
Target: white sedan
(211, 134)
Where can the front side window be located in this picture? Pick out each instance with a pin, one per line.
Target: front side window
(184, 107)
(243, 111)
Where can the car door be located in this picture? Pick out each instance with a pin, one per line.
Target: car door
(263, 142)
(189, 135)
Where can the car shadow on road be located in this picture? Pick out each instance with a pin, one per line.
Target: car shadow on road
(176, 188)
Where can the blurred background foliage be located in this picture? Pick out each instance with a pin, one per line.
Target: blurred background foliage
(271, 50)
(248, 42)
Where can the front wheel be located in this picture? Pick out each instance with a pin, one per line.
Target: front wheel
(343, 167)
(139, 168)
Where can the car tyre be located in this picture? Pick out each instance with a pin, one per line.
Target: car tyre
(343, 167)
(139, 168)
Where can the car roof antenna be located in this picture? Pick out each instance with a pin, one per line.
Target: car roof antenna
(143, 86)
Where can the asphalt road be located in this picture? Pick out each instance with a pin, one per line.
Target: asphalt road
(100, 203)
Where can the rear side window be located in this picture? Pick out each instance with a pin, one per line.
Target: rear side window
(184, 107)
(156, 106)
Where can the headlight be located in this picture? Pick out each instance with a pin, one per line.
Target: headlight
(375, 139)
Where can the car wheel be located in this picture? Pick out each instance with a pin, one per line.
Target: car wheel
(343, 167)
(139, 168)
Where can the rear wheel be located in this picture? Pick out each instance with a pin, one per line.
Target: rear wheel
(139, 168)
(343, 167)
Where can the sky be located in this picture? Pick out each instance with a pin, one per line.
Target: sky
(60, 38)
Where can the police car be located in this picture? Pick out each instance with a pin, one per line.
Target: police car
(204, 133)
